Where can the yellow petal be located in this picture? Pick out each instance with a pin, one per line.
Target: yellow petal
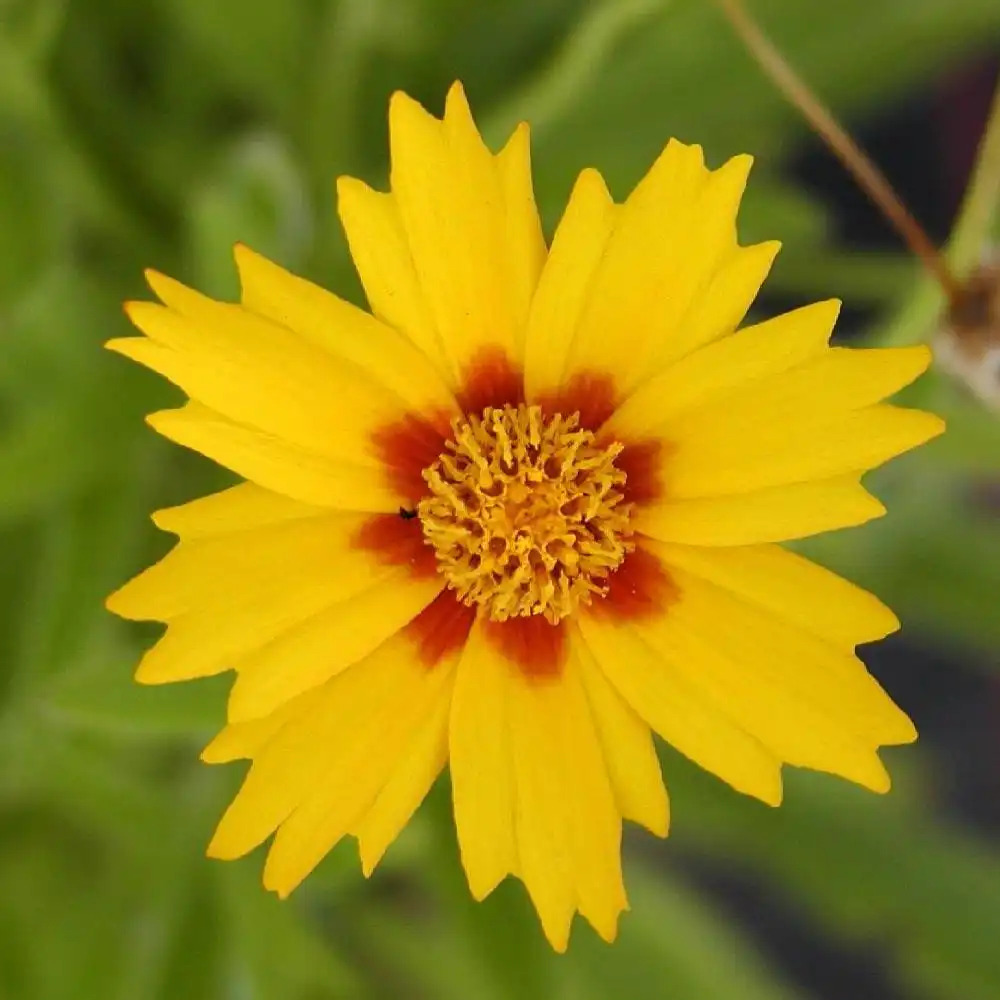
(809, 703)
(278, 465)
(789, 587)
(708, 375)
(634, 292)
(774, 514)
(720, 306)
(230, 596)
(700, 727)
(238, 508)
(481, 764)
(385, 265)
(327, 643)
(675, 234)
(836, 380)
(358, 759)
(344, 741)
(812, 396)
(368, 347)
(565, 283)
(712, 261)
(738, 450)
(408, 785)
(628, 748)
(265, 377)
(246, 740)
(223, 573)
(448, 192)
(525, 243)
(568, 826)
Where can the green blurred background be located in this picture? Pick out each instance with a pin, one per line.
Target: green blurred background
(158, 133)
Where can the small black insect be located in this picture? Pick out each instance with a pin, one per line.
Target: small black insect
(407, 515)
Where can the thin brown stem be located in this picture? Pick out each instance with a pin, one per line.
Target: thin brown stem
(868, 176)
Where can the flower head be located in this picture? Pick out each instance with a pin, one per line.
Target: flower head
(516, 518)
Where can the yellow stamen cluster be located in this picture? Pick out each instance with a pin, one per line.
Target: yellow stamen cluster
(526, 513)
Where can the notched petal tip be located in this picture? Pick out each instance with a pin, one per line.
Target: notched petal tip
(122, 345)
(282, 879)
(245, 703)
(456, 101)
(368, 862)
(660, 826)
(117, 606)
(878, 780)
(678, 145)
(727, 184)
(212, 753)
(162, 520)
(345, 182)
(147, 316)
(768, 249)
(244, 257)
(932, 425)
(174, 294)
(351, 195)
(127, 307)
(147, 673)
(220, 849)
(481, 882)
(607, 929)
(746, 274)
(826, 309)
(905, 733)
(413, 133)
(775, 794)
(371, 851)
(882, 620)
(252, 269)
(556, 928)
(405, 110)
(161, 419)
(134, 307)
(460, 129)
(916, 359)
(154, 278)
(136, 600)
(520, 134)
(589, 182)
(892, 727)
(739, 165)
(926, 351)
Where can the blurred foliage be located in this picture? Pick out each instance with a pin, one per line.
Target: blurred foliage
(157, 134)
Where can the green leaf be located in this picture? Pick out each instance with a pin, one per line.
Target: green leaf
(277, 949)
(255, 196)
(971, 443)
(256, 46)
(496, 948)
(671, 944)
(30, 232)
(37, 468)
(934, 558)
(102, 697)
(867, 867)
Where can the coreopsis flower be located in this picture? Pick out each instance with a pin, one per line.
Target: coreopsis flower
(518, 516)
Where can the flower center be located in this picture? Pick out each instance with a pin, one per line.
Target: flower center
(526, 513)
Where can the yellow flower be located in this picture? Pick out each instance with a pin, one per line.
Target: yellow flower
(516, 518)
